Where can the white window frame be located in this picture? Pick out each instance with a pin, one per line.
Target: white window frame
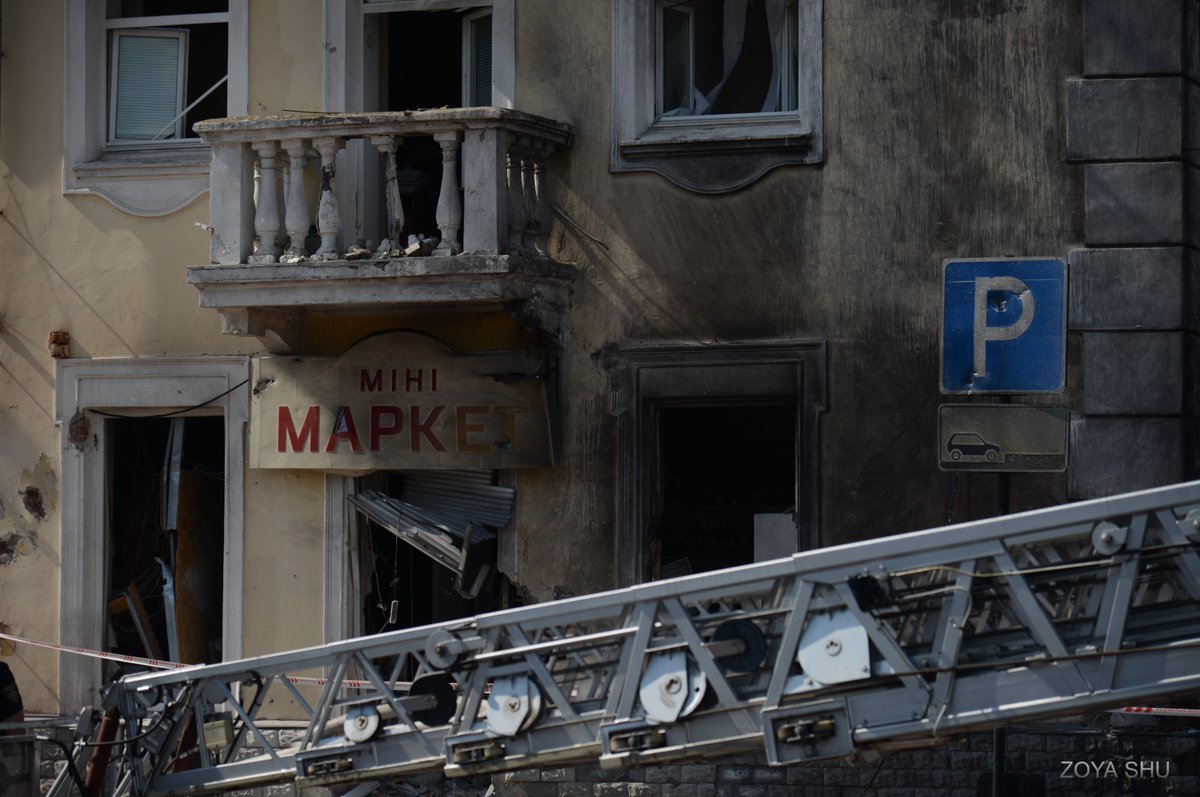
(137, 385)
(642, 140)
(349, 67)
(114, 73)
(141, 178)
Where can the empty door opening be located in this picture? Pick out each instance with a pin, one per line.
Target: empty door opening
(431, 59)
(166, 538)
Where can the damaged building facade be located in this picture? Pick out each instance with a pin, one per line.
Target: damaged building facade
(363, 315)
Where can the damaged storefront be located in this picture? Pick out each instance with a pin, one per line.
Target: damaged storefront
(428, 441)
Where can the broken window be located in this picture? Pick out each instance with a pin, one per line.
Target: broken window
(431, 546)
(168, 68)
(713, 94)
(166, 538)
(726, 57)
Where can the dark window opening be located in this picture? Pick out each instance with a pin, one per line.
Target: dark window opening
(208, 62)
(424, 60)
(719, 466)
(166, 538)
(424, 70)
(154, 8)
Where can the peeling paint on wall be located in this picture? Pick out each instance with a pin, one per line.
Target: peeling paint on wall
(38, 497)
(31, 498)
(44, 481)
(15, 545)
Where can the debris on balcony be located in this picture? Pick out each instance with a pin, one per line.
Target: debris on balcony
(276, 257)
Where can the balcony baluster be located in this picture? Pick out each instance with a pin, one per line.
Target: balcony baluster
(517, 217)
(329, 222)
(266, 217)
(296, 213)
(391, 245)
(449, 206)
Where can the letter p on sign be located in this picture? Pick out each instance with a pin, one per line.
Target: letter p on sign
(1004, 326)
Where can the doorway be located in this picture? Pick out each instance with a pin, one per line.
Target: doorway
(431, 59)
(165, 538)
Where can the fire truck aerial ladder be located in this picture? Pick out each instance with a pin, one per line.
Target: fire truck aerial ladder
(835, 653)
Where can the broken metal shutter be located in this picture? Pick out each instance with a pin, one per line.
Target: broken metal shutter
(464, 495)
(445, 515)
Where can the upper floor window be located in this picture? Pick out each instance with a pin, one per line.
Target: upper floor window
(168, 68)
(138, 74)
(432, 54)
(713, 94)
(716, 57)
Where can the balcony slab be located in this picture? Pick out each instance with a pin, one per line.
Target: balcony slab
(269, 301)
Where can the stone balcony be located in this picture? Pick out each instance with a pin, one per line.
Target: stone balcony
(283, 242)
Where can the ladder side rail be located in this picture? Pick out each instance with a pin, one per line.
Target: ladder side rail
(902, 551)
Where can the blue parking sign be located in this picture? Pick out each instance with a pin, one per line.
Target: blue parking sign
(1004, 326)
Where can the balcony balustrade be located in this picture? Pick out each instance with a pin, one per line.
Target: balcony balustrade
(493, 222)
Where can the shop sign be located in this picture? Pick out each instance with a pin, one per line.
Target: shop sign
(399, 400)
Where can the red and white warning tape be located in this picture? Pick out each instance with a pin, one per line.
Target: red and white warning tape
(98, 654)
(173, 665)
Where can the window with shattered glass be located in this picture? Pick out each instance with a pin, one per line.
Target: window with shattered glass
(725, 57)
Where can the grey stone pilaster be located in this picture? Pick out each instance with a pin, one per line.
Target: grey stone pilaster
(1125, 119)
(1133, 373)
(1142, 37)
(1127, 288)
(1116, 455)
(1134, 203)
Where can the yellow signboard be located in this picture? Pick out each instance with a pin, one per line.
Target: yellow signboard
(399, 400)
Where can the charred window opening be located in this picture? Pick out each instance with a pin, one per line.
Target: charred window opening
(166, 538)
(735, 417)
(720, 466)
